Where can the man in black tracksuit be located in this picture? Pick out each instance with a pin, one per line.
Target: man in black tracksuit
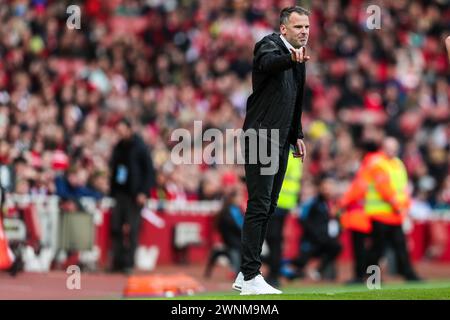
(132, 176)
(278, 77)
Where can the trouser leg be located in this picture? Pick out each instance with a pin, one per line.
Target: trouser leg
(134, 222)
(257, 211)
(359, 254)
(378, 243)
(276, 188)
(117, 239)
(398, 242)
(263, 190)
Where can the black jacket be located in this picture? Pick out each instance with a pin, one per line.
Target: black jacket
(135, 156)
(314, 219)
(277, 98)
(229, 229)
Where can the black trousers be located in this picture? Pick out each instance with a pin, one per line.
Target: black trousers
(327, 252)
(274, 238)
(360, 253)
(125, 213)
(384, 235)
(263, 191)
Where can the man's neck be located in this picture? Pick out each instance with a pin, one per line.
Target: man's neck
(286, 43)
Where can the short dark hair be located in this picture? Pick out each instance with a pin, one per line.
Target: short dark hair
(327, 175)
(369, 145)
(126, 121)
(286, 13)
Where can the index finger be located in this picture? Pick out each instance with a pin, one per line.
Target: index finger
(303, 51)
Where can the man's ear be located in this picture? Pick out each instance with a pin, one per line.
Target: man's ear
(282, 29)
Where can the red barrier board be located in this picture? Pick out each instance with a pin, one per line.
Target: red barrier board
(420, 238)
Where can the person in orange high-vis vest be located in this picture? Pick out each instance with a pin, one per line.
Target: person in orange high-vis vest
(6, 255)
(387, 202)
(354, 218)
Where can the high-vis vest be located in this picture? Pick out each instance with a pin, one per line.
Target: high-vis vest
(353, 217)
(375, 205)
(290, 189)
(6, 255)
(356, 220)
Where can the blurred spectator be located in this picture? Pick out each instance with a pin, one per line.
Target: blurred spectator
(99, 184)
(72, 186)
(6, 170)
(132, 177)
(229, 222)
(320, 231)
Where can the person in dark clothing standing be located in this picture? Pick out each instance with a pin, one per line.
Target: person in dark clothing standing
(132, 177)
(320, 230)
(278, 77)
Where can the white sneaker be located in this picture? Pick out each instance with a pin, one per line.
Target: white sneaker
(237, 285)
(258, 285)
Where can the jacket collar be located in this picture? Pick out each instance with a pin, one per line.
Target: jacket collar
(275, 37)
(286, 43)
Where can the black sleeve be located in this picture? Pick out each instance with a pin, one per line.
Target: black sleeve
(269, 58)
(301, 93)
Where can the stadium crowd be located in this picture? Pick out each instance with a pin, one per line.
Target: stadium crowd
(164, 64)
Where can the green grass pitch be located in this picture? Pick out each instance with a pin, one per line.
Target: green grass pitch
(430, 290)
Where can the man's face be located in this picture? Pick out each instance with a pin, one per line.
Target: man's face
(72, 177)
(327, 188)
(123, 131)
(390, 147)
(296, 31)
